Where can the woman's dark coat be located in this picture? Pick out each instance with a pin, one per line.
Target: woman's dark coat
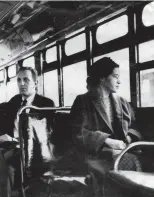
(90, 125)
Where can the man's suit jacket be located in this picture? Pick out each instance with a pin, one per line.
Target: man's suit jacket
(90, 125)
(14, 105)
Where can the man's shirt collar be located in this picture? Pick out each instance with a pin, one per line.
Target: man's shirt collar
(30, 99)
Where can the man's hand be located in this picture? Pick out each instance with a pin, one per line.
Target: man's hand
(115, 144)
(7, 138)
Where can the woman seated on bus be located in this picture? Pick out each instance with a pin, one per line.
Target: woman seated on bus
(100, 120)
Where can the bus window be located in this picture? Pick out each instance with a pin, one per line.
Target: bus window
(112, 29)
(74, 79)
(12, 88)
(51, 55)
(1, 75)
(29, 62)
(3, 92)
(2, 87)
(12, 71)
(148, 14)
(75, 44)
(147, 87)
(51, 86)
(121, 57)
(146, 52)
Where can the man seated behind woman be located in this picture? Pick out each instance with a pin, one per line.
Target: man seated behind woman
(100, 120)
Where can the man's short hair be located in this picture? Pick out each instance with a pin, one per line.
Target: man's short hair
(32, 70)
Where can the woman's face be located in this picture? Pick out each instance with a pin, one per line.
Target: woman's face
(112, 82)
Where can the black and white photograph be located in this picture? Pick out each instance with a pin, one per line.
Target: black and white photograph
(76, 98)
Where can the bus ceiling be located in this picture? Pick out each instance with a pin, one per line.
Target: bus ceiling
(25, 24)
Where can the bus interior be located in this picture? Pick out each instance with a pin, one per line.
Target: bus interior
(62, 39)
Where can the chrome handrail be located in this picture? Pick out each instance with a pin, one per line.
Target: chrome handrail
(129, 147)
(38, 108)
(22, 161)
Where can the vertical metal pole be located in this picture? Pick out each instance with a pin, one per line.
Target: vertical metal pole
(22, 163)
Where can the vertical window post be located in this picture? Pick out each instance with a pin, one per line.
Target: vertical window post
(132, 56)
(60, 75)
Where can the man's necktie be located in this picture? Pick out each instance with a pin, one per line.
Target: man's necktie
(24, 104)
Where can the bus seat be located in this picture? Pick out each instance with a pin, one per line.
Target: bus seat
(66, 159)
(145, 123)
(123, 181)
(141, 182)
(64, 163)
(144, 182)
(3, 118)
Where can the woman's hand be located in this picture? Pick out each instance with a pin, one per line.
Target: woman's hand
(115, 144)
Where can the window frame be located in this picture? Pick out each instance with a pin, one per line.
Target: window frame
(8, 71)
(112, 45)
(46, 71)
(33, 55)
(140, 67)
(76, 57)
(2, 81)
(147, 32)
(63, 76)
(51, 65)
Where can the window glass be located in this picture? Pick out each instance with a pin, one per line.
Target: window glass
(51, 86)
(3, 92)
(51, 55)
(1, 75)
(146, 52)
(112, 29)
(12, 71)
(12, 88)
(147, 87)
(74, 79)
(148, 14)
(121, 57)
(75, 44)
(29, 62)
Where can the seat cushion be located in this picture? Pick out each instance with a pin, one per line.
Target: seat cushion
(45, 186)
(135, 180)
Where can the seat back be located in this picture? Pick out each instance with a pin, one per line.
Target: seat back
(3, 118)
(37, 144)
(48, 145)
(42, 133)
(145, 123)
(132, 181)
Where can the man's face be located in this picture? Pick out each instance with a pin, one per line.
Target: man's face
(26, 83)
